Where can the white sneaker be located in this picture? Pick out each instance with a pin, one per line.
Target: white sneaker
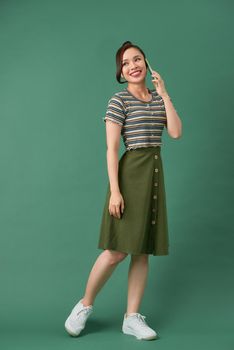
(77, 318)
(135, 324)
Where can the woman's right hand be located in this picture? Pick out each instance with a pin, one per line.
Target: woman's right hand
(116, 204)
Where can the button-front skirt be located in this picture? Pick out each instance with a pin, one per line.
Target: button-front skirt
(143, 226)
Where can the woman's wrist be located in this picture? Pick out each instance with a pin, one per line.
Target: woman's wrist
(165, 96)
(114, 191)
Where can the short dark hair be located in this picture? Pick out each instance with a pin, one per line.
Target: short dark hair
(119, 55)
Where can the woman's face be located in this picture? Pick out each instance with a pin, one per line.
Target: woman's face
(133, 66)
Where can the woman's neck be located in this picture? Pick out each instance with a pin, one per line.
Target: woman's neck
(139, 90)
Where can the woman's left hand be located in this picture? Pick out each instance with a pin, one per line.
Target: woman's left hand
(158, 83)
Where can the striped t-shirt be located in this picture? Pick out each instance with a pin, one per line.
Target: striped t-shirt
(142, 122)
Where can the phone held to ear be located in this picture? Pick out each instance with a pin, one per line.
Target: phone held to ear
(151, 70)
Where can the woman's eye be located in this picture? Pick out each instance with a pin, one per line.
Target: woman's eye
(124, 64)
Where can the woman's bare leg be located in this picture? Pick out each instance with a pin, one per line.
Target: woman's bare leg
(101, 271)
(137, 277)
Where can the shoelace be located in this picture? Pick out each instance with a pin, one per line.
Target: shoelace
(86, 311)
(142, 318)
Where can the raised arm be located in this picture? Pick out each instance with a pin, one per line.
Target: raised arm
(174, 124)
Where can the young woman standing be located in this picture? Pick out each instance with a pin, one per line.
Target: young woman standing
(134, 218)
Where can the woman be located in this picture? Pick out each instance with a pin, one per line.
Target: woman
(134, 218)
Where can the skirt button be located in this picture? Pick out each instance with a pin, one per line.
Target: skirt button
(156, 157)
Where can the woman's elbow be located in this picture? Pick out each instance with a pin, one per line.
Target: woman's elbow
(175, 135)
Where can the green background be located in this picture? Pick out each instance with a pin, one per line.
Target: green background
(57, 68)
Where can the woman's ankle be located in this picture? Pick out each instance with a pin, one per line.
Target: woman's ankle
(130, 313)
(86, 302)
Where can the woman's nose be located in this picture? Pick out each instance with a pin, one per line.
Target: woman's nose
(133, 65)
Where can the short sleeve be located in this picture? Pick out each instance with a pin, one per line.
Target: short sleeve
(115, 110)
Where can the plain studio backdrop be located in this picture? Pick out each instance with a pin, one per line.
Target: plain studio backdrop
(57, 67)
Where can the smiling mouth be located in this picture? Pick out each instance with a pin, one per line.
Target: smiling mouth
(137, 72)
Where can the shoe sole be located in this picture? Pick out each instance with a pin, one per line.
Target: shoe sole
(130, 332)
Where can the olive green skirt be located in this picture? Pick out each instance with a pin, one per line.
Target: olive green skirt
(142, 227)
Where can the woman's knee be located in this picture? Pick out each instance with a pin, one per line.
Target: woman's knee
(115, 257)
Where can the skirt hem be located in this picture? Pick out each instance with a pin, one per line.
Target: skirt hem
(155, 253)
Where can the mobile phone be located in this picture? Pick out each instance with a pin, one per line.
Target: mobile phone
(151, 71)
